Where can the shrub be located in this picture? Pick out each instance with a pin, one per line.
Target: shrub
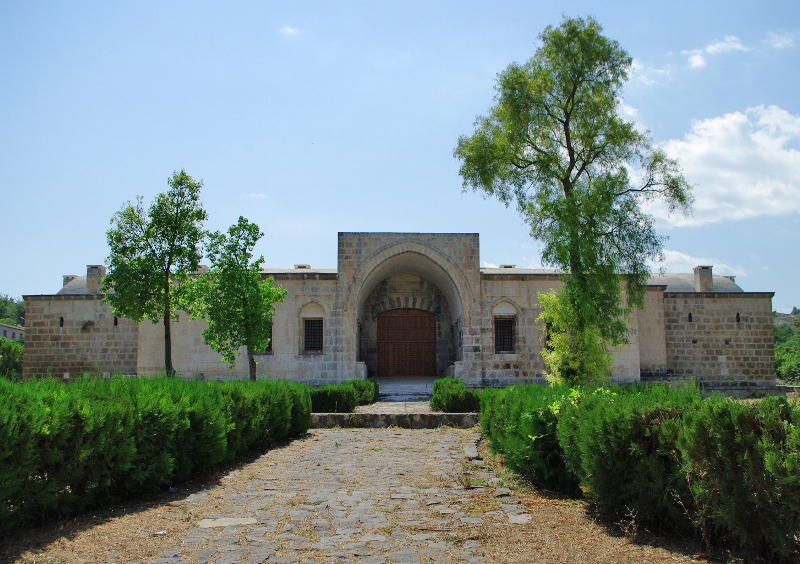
(366, 391)
(65, 447)
(620, 443)
(520, 423)
(452, 396)
(742, 464)
(333, 398)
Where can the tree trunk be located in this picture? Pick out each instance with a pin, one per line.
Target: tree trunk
(168, 334)
(251, 361)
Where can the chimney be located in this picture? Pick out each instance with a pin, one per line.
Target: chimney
(69, 278)
(94, 278)
(702, 279)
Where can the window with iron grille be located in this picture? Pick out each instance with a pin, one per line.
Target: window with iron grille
(504, 334)
(313, 335)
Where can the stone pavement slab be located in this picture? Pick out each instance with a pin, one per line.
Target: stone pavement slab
(349, 495)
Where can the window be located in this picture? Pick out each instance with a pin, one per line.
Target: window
(116, 321)
(503, 334)
(313, 335)
(268, 350)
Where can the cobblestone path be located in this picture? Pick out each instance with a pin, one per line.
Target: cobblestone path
(349, 495)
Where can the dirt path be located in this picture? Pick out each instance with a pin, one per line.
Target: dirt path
(347, 495)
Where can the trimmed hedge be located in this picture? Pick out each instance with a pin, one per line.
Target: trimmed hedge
(742, 464)
(67, 447)
(521, 422)
(726, 469)
(344, 397)
(450, 395)
(621, 446)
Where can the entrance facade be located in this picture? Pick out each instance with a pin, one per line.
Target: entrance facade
(406, 343)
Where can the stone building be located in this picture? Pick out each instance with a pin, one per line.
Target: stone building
(12, 331)
(418, 304)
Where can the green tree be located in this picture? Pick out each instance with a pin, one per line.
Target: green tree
(12, 310)
(11, 352)
(237, 303)
(787, 352)
(555, 144)
(153, 252)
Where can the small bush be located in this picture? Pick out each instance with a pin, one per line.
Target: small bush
(450, 395)
(334, 398)
(366, 391)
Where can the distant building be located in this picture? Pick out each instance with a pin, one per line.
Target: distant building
(11, 331)
(418, 304)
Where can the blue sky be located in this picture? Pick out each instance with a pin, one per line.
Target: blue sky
(311, 118)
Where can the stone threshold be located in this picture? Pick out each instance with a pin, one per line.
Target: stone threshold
(404, 420)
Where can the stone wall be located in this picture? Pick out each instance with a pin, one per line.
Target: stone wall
(448, 261)
(724, 339)
(652, 339)
(308, 291)
(73, 334)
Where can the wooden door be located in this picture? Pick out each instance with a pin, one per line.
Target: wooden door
(406, 343)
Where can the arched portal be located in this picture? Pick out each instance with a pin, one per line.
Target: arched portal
(409, 275)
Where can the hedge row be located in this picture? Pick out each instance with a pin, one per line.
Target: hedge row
(66, 447)
(726, 469)
(450, 395)
(344, 397)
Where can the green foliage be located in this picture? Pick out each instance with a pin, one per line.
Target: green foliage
(787, 352)
(333, 398)
(661, 456)
(742, 463)
(450, 395)
(620, 443)
(12, 310)
(236, 302)
(521, 423)
(344, 397)
(366, 391)
(575, 353)
(10, 359)
(556, 145)
(66, 447)
(153, 252)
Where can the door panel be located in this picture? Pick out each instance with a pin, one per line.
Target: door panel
(406, 343)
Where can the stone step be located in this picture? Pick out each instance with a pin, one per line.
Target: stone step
(404, 420)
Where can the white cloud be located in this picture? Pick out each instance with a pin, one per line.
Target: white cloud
(288, 30)
(697, 57)
(742, 164)
(254, 196)
(676, 261)
(779, 40)
(485, 264)
(648, 75)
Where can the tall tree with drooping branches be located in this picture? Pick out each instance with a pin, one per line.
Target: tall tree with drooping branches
(556, 145)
